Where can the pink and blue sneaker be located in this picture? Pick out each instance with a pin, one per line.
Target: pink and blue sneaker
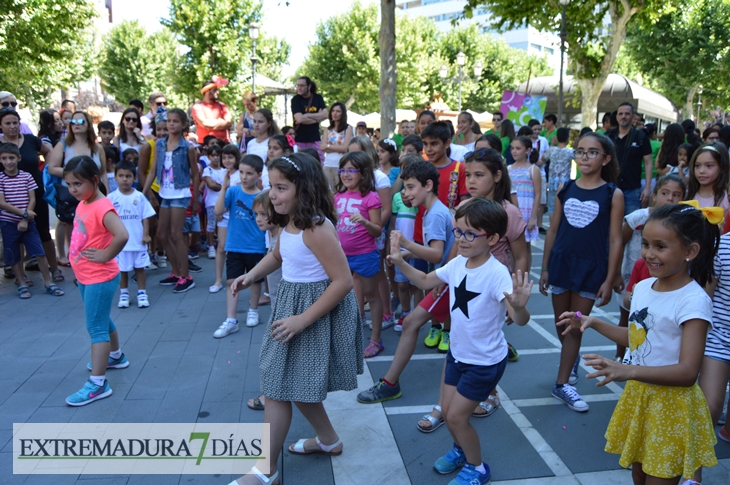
(89, 393)
(113, 363)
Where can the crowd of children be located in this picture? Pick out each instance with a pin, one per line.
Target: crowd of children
(414, 223)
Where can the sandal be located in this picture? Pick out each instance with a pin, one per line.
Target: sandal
(57, 275)
(32, 265)
(54, 290)
(488, 407)
(264, 300)
(29, 283)
(9, 273)
(23, 292)
(373, 349)
(256, 404)
(65, 264)
(436, 423)
(298, 448)
(272, 480)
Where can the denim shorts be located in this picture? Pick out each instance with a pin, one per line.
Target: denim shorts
(97, 300)
(192, 224)
(556, 290)
(12, 238)
(400, 277)
(366, 265)
(474, 382)
(183, 203)
(210, 219)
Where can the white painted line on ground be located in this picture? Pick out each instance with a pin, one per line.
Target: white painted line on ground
(552, 460)
(610, 316)
(368, 438)
(539, 244)
(551, 401)
(389, 358)
(407, 410)
(544, 333)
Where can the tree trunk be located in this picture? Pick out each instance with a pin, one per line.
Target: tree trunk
(591, 83)
(386, 39)
(688, 104)
(590, 91)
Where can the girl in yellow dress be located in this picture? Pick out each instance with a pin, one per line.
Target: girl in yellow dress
(661, 426)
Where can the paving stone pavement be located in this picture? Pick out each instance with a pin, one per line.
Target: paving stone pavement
(180, 373)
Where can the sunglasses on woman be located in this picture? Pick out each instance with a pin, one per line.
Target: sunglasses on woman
(5, 104)
(79, 121)
(127, 118)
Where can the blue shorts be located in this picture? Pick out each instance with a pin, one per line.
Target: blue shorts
(366, 265)
(12, 238)
(400, 277)
(192, 224)
(97, 300)
(474, 382)
(557, 290)
(183, 203)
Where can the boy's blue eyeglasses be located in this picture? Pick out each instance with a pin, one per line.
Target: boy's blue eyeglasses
(468, 235)
(348, 171)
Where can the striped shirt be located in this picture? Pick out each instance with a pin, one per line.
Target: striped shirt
(718, 339)
(16, 190)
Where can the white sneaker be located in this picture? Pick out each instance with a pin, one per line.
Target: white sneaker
(123, 300)
(143, 301)
(389, 322)
(211, 252)
(161, 261)
(151, 267)
(570, 397)
(226, 328)
(252, 319)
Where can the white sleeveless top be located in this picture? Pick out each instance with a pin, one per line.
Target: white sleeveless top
(298, 262)
(124, 146)
(70, 153)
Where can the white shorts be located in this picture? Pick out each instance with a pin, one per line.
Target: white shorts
(129, 260)
(224, 221)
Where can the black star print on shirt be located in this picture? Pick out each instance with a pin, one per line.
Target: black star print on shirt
(463, 297)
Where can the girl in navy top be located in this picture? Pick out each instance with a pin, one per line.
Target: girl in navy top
(583, 250)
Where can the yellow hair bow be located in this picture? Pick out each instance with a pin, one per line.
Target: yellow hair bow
(714, 215)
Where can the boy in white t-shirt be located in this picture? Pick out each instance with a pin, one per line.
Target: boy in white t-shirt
(134, 210)
(480, 290)
(213, 178)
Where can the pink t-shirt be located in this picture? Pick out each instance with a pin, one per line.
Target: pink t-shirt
(355, 239)
(515, 228)
(89, 232)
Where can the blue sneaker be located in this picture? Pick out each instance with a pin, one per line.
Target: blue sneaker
(470, 476)
(119, 363)
(89, 393)
(450, 461)
(573, 380)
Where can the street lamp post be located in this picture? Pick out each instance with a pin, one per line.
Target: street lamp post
(563, 4)
(253, 32)
(460, 61)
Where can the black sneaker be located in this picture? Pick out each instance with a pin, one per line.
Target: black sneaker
(183, 285)
(170, 280)
(194, 268)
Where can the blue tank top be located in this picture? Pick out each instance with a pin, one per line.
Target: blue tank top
(579, 257)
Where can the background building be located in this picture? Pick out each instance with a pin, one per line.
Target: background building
(527, 38)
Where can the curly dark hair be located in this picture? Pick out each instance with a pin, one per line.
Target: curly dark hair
(312, 190)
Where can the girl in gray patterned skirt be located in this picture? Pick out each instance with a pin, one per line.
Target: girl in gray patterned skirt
(313, 344)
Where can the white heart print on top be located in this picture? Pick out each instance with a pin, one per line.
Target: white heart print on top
(580, 214)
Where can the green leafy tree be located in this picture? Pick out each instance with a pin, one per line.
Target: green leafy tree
(504, 68)
(591, 46)
(134, 64)
(345, 62)
(215, 33)
(694, 54)
(44, 45)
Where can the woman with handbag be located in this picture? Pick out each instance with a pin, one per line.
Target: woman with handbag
(80, 140)
(30, 148)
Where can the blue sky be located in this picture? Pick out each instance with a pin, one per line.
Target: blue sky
(296, 22)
